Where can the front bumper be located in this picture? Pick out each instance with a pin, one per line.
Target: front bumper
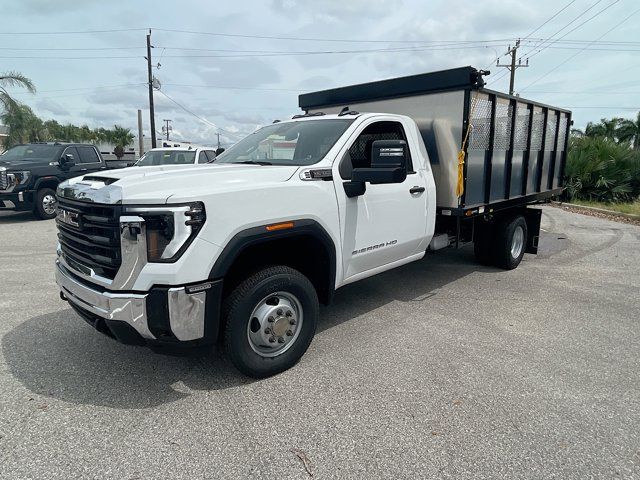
(16, 200)
(185, 315)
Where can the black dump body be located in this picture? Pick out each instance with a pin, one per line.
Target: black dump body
(516, 148)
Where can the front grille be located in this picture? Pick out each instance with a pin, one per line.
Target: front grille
(95, 242)
(4, 183)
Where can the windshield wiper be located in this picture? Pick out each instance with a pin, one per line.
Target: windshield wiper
(255, 162)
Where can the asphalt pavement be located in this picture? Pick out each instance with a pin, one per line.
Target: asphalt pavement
(439, 369)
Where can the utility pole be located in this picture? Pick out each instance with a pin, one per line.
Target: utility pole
(140, 137)
(218, 135)
(167, 128)
(151, 110)
(513, 66)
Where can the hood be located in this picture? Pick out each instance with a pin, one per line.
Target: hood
(143, 185)
(24, 163)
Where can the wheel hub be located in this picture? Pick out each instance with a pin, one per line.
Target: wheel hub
(517, 243)
(49, 204)
(280, 326)
(274, 324)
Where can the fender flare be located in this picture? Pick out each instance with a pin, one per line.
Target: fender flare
(258, 235)
(44, 179)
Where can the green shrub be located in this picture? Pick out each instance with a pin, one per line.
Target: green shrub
(601, 170)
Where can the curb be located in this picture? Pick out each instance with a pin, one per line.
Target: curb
(630, 216)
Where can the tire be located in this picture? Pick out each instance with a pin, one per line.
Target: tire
(270, 320)
(45, 206)
(510, 242)
(483, 244)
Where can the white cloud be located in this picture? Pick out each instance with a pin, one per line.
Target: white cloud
(51, 106)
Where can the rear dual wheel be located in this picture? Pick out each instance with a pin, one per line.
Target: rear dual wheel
(502, 244)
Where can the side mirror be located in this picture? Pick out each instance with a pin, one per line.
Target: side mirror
(66, 161)
(219, 150)
(388, 163)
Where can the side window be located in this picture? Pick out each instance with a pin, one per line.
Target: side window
(359, 154)
(73, 152)
(211, 155)
(202, 157)
(88, 155)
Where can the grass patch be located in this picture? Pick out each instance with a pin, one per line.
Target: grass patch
(632, 207)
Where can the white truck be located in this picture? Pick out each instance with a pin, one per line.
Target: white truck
(177, 155)
(242, 252)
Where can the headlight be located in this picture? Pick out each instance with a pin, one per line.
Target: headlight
(17, 178)
(170, 229)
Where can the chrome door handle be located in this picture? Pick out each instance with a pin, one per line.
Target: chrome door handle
(416, 189)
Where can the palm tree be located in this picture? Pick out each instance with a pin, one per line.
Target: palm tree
(629, 131)
(13, 79)
(24, 126)
(121, 136)
(607, 128)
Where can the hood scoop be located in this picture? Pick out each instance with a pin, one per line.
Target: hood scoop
(104, 180)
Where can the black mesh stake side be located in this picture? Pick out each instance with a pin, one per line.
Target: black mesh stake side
(527, 153)
(489, 153)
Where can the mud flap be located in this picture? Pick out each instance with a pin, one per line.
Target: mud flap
(533, 217)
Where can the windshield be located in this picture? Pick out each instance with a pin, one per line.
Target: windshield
(29, 152)
(291, 143)
(167, 157)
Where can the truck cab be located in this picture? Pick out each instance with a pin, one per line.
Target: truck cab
(189, 155)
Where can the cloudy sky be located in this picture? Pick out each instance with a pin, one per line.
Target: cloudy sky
(231, 66)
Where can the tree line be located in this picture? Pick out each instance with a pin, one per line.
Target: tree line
(25, 126)
(603, 161)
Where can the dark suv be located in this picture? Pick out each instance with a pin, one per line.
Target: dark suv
(29, 174)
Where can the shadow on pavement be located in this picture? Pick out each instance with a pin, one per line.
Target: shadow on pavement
(58, 355)
(9, 216)
(415, 282)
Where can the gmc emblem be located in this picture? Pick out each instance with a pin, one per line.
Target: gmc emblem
(68, 217)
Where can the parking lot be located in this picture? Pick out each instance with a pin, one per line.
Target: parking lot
(439, 369)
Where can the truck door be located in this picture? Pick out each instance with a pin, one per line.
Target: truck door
(77, 169)
(89, 160)
(388, 222)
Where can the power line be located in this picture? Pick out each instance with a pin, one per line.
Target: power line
(584, 92)
(70, 58)
(277, 54)
(576, 27)
(21, 49)
(306, 39)
(529, 41)
(607, 107)
(534, 31)
(99, 87)
(236, 88)
(78, 32)
(550, 18)
(528, 54)
(204, 120)
(580, 51)
(545, 40)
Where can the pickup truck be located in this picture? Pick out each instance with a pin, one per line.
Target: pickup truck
(368, 178)
(30, 174)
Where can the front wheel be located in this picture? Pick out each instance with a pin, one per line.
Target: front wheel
(45, 206)
(270, 320)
